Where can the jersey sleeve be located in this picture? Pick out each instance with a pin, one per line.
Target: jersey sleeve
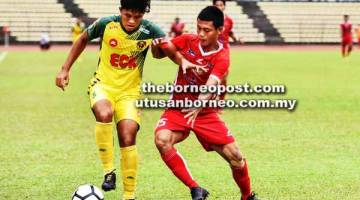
(180, 41)
(156, 31)
(221, 66)
(97, 29)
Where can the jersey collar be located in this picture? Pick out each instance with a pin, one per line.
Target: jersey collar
(211, 52)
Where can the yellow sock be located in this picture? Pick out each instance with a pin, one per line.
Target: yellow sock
(105, 144)
(129, 165)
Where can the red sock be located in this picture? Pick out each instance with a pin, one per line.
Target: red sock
(242, 179)
(176, 163)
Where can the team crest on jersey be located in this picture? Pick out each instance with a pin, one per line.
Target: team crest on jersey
(141, 44)
(191, 52)
(113, 42)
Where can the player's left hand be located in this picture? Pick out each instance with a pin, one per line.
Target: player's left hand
(192, 113)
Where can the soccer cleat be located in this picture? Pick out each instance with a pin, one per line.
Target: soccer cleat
(198, 193)
(252, 197)
(109, 181)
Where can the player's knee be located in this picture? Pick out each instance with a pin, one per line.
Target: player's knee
(104, 116)
(162, 141)
(126, 135)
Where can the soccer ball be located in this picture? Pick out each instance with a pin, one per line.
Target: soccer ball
(87, 192)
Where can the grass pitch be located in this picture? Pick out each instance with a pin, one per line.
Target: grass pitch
(47, 145)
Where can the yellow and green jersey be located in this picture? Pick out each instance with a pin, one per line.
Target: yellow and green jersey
(122, 53)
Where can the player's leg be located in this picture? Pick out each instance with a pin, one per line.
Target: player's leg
(103, 113)
(170, 130)
(231, 153)
(213, 134)
(349, 48)
(102, 107)
(127, 131)
(127, 118)
(343, 49)
(165, 140)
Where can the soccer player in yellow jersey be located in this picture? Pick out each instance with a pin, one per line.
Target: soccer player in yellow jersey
(125, 40)
(76, 30)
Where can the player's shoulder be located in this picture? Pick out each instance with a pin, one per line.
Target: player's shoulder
(108, 19)
(149, 27)
(228, 18)
(147, 23)
(188, 37)
(103, 21)
(223, 55)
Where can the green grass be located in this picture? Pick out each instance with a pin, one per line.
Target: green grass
(47, 145)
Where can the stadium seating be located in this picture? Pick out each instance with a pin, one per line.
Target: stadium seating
(27, 19)
(297, 22)
(309, 22)
(164, 12)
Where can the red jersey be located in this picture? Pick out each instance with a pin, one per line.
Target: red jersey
(217, 62)
(346, 30)
(224, 37)
(177, 28)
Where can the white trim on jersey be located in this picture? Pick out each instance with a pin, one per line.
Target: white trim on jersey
(221, 46)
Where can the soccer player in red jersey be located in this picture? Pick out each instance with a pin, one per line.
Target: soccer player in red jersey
(228, 24)
(177, 28)
(175, 124)
(346, 34)
(226, 33)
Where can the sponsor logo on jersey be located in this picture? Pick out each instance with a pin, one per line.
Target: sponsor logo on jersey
(144, 30)
(113, 42)
(114, 27)
(122, 61)
(191, 52)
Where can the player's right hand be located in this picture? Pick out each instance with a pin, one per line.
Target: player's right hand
(62, 79)
(185, 64)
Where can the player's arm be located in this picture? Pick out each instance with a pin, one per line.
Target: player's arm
(62, 78)
(232, 36)
(170, 50)
(156, 50)
(218, 74)
(192, 113)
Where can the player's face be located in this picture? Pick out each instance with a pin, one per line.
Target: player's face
(130, 19)
(207, 33)
(220, 5)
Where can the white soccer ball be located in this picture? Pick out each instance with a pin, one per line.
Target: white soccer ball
(87, 192)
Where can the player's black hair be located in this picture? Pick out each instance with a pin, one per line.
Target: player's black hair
(214, 2)
(214, 14)
(142, 6)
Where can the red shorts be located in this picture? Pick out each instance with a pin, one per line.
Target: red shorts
(208, 127)
(346, 41)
